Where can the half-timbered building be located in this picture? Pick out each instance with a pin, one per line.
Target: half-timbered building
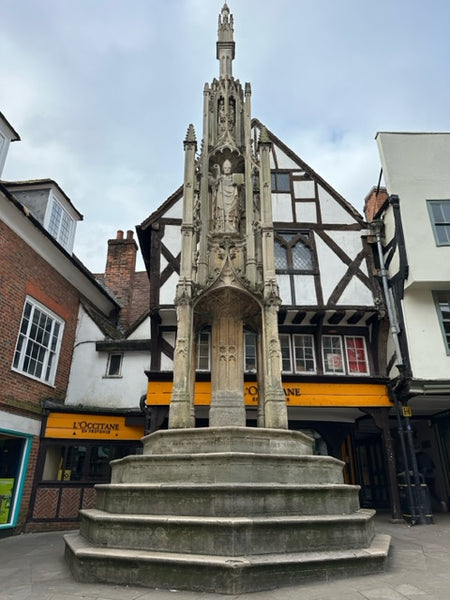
(331, 316)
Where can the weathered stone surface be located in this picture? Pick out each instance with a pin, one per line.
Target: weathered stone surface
(234, 536)
(228, 439)
(235, 499)
(229, 467)
(224, 574)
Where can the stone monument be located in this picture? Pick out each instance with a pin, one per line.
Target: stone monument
(226, 508)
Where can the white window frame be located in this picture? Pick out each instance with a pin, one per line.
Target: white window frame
(440, 225)
(203, 344)
(333, 362)
(366, 357)
(286, 352)
(302, 336)
(64, 222)
(441, 297)
(250, 352)
(31, 339)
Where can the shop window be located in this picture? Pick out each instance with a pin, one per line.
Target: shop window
(14, 452)
(39, 342)
(114, 366)
(250, 352)
(82, 462)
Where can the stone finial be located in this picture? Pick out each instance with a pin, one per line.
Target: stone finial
(264, 136)
(190, 136)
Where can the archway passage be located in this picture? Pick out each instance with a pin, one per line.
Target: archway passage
(227, 311)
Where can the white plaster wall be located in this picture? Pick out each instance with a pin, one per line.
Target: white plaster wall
(88, 385)
(305, 290)
(349, 241)
(284, 283)
(416, 168)
(429, 359)
(142, 332)
(166, 362)
(172, 239)
(282, 207)
(304, 189)
(332, 211)
(306, 212)
(168, 290)
(175, 211)
(356, 294)
(332, 269)
(284, 161)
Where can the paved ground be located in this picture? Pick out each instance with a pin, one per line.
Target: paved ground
(32, 568)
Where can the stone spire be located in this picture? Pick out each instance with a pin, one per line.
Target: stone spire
(225, 43)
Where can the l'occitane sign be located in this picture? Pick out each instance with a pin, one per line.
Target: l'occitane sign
(73, 425)
(296, 394)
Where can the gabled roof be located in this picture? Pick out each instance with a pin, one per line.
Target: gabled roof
(340, 199)
(76, 264)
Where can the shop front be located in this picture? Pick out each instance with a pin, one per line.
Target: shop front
(75, 452)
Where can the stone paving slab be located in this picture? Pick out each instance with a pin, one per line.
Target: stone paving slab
(32, 567)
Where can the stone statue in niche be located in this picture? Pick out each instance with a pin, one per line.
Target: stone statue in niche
(225, 192)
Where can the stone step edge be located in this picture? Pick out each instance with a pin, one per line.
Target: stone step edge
(230, 454)
(187, 485)
(93, 514)
(83, 550)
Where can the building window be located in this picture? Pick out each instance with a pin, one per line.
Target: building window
(114, 366)
(332, 354)
(304, 357)
(442, 300)
(440, 218)
(38, 343)
(353, 361)
(203, 351)
(60, 225)
(86, 462)
(286, 354)
(355, 350)
(249, 352)
(293, 252)
(280, 182)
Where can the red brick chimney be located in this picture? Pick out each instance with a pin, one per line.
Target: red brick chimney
(374, 201)
(119, 272)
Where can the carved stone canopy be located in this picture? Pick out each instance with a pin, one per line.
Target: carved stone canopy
(231, 301)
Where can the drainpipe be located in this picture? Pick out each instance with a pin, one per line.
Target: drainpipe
(377, 227)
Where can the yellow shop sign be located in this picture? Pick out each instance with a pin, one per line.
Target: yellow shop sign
(108, 427)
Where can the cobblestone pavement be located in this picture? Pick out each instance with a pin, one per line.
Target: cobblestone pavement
(32, 567)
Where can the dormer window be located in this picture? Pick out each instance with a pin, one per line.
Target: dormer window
(60, 224)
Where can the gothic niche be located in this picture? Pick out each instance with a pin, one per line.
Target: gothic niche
(226, 191)
(226, 115)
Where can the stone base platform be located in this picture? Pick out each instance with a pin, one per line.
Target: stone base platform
(230, 510)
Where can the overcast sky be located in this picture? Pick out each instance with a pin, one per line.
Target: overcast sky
(101, 92)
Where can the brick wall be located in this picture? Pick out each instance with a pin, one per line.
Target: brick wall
(23, 272)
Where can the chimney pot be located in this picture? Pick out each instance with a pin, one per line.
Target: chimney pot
(119, 235)
(129, 234)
